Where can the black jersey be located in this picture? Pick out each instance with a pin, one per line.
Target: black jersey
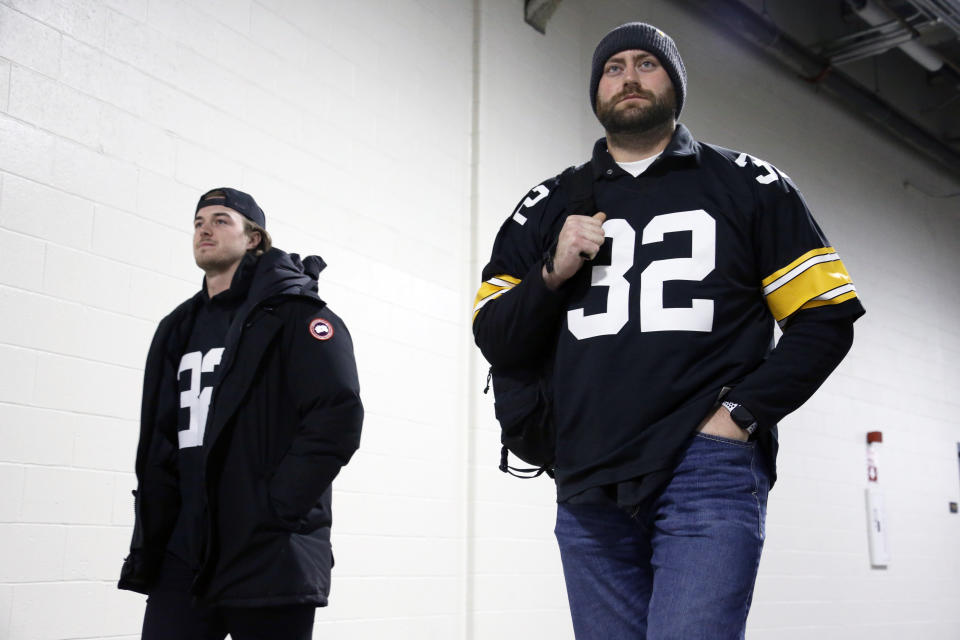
(703, 252)
(198, 374)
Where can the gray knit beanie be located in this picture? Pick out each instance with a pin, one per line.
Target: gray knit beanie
(639, 35)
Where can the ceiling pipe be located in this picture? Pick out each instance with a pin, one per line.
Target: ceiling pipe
(743, 23)
(866, 44)
(947, 11)
(872, 14)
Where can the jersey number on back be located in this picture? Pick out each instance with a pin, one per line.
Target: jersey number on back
(653, 315)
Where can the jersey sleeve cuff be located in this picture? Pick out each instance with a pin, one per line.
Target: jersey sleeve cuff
(542, 295)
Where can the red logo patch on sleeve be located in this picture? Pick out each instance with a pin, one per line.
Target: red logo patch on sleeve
(321, 329)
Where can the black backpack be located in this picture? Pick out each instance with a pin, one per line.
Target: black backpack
(523, 396)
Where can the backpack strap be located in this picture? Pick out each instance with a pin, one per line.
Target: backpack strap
(521, 472)
(577, 182)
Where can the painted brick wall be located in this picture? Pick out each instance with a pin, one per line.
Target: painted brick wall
(352, 123)
(349, 122)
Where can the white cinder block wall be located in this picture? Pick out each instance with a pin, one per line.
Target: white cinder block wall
(355, 125)
(350, 124)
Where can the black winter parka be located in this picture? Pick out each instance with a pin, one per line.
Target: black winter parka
(284, 418)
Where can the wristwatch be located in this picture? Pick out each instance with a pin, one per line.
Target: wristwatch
(741, 417)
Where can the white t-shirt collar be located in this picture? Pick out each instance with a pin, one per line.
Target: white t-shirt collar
(638, 166)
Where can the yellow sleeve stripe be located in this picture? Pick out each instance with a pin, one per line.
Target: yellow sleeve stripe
(820, 280)
(819, 302)
(797, 266)
(504, 280)
(492, 289)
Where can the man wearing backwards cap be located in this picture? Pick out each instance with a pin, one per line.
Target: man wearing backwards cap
(656, 314)
(250, 408)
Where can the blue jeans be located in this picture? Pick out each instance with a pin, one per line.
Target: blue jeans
(684, 566)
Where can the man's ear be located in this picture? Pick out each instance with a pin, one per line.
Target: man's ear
(253, 240)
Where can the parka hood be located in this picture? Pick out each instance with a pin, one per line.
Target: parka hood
(281, 273)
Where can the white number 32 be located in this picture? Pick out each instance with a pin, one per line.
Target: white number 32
(653, 315)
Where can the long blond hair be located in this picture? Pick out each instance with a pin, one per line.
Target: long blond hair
(266, 242)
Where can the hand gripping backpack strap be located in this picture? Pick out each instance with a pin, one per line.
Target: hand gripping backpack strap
(577, 183)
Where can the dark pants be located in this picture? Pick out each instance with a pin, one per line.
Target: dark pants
(685, 566)
(171, 614)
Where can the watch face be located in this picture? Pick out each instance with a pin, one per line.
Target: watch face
(743, 419)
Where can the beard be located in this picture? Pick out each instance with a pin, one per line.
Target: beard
(637, 119)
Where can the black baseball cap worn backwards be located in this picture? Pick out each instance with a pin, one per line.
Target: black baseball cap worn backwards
(640, 35)
(242, 203)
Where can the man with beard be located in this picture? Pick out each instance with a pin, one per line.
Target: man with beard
(655, 317)
(250, 408)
